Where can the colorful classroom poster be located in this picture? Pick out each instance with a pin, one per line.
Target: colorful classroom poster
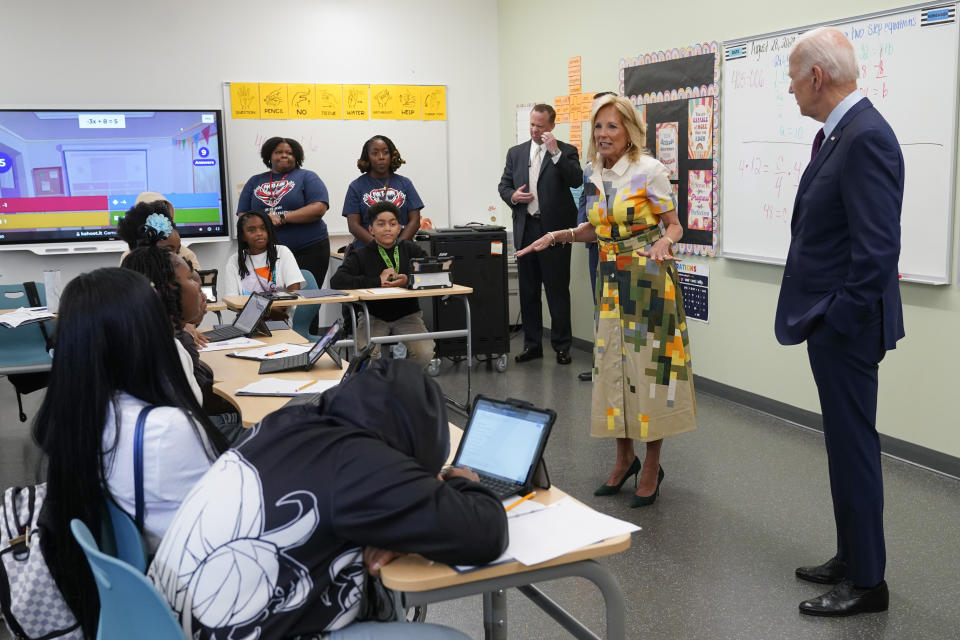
(245, 100)
(434, 101)
(408, 102)
(273, 101)
(695, 285)
(700, 129)
(356, 102)
(329, 101)
(700, 200)
(667, 151)
(384, 102)
(303, 101)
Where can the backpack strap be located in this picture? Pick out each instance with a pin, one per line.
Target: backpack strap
(138, 466)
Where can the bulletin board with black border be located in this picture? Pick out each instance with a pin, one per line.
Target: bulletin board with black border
(677, 94)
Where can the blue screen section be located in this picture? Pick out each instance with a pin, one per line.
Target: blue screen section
(502, 440)
(122, 202)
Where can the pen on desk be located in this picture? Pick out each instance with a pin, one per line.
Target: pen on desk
(273, 353)
(523, 499)
(306, 385)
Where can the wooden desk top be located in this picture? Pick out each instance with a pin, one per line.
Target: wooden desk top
(235, 303)
(455, 290)
(230, 374)
(416, 573)
(217, 306)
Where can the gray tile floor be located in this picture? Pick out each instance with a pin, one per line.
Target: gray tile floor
(745, 500)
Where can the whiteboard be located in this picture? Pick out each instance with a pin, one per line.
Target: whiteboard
(907, 70)
(331, 149)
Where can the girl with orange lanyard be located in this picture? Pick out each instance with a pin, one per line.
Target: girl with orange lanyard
(260, 264)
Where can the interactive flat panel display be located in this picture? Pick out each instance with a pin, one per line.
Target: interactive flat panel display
(68, 176)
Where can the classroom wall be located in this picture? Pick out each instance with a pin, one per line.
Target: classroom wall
(178, 53)
(737, 347)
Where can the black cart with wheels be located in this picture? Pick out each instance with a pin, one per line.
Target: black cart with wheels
(480, 262)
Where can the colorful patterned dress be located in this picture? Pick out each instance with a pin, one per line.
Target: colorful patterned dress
(642, 376)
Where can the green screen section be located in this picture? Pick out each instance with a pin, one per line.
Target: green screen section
(188, 216)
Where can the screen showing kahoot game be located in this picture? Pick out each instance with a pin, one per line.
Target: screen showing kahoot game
(68, 176)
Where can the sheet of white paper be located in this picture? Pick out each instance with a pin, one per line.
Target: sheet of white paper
(525, 511)
(278, 386)
(527, 506)
(562, 527)
(382, 291)
(274, 351)
(233, 343)
(25, 314)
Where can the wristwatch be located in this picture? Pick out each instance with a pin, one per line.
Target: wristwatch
(283, 217)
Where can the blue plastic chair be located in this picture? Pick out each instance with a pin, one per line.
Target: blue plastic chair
(126, 538)
(305, 314)
(130, 606)
(24, 349)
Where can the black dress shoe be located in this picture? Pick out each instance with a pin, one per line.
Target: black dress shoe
(830, 572)
(585, 376)
(529, 354)
(563, 357)
(847, 600)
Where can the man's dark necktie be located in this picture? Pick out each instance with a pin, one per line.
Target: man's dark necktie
(817, 143)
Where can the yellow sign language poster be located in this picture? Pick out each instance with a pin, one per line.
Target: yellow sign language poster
(273, 101)
(303, 101)
(245, 100)
(307, 101)
(384, 102)
(408, 98)
(329, 101)
(356, 102)
(434, 101)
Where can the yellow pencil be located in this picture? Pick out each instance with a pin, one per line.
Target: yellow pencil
(526, 497)
(306, 385)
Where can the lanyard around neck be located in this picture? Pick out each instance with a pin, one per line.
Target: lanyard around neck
(386, 258)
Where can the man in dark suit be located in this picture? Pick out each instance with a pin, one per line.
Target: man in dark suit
(536, 184)
(840, 293)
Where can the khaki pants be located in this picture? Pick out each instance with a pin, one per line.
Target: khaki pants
(419, 351)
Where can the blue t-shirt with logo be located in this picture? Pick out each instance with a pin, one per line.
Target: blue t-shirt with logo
(365, 191)
(287, 192)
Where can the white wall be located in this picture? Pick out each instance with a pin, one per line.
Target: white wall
(178, 53)
(738, 348)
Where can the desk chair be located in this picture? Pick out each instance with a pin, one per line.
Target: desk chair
(130, 606)
(23, 350)
(127, 542)
(208, 278)
(305, 314)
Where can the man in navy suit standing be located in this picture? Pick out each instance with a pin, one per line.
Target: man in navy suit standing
(536, 184)
(840, 293)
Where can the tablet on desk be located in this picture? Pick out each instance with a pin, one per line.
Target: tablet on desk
(504, 442)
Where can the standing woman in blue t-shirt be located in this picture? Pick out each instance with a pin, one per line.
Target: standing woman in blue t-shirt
(379, 160)
(295, 199)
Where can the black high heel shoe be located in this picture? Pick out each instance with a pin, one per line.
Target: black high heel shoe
(643, 501)
(609, 490)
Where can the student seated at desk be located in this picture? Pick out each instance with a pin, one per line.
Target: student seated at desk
(260, 265)
(385, 262)
(115, 356)
(274, 539)
(186, 305)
